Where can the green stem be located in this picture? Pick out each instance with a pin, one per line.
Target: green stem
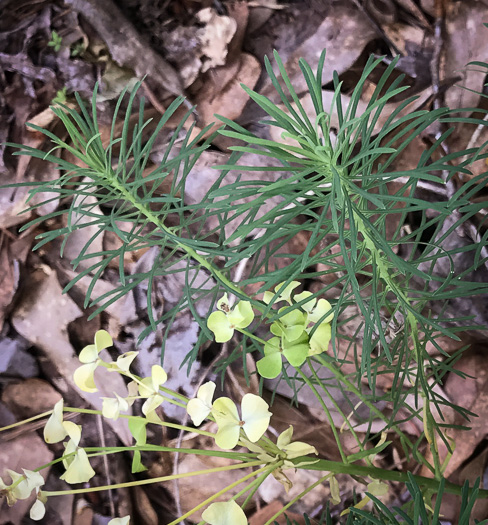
(153, 480)
(138, 380)
(251, 335)
(254, 485)
(383, 474)
(202, 260)
(25, 421)
(162, 423)
(238, 456)
(334, 402)
(327, 413)
(377, 258)
(218, 494)
(354, 390)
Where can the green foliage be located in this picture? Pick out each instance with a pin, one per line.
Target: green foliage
(418, 513)
(61, 97)
(337, 188)
(56, 41)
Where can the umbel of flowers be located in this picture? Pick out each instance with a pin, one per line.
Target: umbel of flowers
(302, 329)
(247, 430)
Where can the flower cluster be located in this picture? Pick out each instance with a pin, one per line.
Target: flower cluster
(283, 452)
(300, 333)
(75, 459)
(247, 431)
(21, 488)
(252, 424)
(227, 319)
(147, 388)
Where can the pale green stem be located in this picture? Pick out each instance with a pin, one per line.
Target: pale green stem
(202, 260)
(238, 456)
(153, 480)
(327, 413)
(412, 322)
(162, 423)
(353, 389)
(254, 484)
(138, 380)
(254, 487)
(334, 402)
(218, 494)
(251, 335)
(25, 421)
(353, 469)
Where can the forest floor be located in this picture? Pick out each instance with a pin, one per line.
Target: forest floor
(204, 50)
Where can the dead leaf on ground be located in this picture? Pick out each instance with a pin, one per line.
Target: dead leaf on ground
(79, 238)
(271, 489)
(126, 45)
(472, 394)
(223, 94)
(9, 278)
(30, 397)
(339, 27)
(214, 37)
(466, 41)
(268, 511)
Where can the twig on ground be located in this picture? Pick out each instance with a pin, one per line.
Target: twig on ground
(105, 464)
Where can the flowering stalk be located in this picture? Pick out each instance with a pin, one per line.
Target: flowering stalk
(154, 480)
(223, 491)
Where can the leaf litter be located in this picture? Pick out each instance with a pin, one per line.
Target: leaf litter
(204, 50)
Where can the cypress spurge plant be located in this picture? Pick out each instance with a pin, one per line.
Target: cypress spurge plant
(338, 169)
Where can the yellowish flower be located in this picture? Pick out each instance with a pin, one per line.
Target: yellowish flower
(123, 362)
(24, 485)
(54, 430)
(84, 375)
(254, 422)
(79, 469)
(120, 521)
(111, 407)
(224, 513)
(285, 294)
(293, 449)
(200, 407)
(149, 388)
(226, 320)
(38, 510)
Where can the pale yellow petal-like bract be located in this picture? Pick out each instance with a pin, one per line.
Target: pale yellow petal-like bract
(255, 415)
(119, 521)
(84, 377)
(103, 340)
(80, 470)
(224, 513)
(37, 511)
(54, 431)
